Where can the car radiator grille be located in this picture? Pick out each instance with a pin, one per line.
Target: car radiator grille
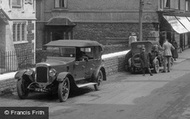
(42, 74)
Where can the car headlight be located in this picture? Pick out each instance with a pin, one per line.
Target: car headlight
(52, 72)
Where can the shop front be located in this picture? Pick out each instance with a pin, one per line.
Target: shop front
(175, 27)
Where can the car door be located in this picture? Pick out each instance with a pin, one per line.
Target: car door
(79, 70)
(89, 68)
(91, 63)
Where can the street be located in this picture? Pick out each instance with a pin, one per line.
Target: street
(123, 96)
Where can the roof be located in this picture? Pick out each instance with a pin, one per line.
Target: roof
(73, 43)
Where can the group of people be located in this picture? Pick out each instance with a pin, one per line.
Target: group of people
(169, 51)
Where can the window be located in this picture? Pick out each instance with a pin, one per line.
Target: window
(179, 4)
(88, 52)
(166, 3)
(19, 31)
(161, 4)
(60, 3)
(16, 3)
(187, 5)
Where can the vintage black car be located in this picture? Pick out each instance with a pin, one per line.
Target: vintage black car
(68, 65)
(156, 56)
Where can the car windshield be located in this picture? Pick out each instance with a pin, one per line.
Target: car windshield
(60, 52)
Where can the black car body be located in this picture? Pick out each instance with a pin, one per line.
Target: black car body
(156, 56)
(68, 65)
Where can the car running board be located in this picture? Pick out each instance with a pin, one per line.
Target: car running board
(86, 84)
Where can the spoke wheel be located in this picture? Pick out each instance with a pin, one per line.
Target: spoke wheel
(64, 90)
(22, 89)
(156, 66)
(99, 81)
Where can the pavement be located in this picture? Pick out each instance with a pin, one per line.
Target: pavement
(182, 56)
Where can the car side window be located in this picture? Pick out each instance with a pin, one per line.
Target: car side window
(88, 52)
(97, 52)
(84, 53)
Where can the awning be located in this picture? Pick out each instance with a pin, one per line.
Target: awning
(60, 21)
(178, 23)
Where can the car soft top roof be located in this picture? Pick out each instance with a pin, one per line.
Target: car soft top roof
(73, 43)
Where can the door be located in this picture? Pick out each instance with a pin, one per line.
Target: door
(79, 70)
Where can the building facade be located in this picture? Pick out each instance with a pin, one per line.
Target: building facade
(174, 17)
(109, 22)
(17, 32)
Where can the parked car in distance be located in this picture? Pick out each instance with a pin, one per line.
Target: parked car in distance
(68, 65)
(133, 57)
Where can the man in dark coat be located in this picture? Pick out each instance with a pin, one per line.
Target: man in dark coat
(145, 61)
(175, 52)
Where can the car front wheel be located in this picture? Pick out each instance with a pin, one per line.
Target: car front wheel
(99, 81)
(22, 89)
(64, 90)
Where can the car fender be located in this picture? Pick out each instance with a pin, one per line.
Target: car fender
(19, 74)
(30, 74)
(61, 76)
(103, 71)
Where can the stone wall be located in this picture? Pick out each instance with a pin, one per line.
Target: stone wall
(114, 65)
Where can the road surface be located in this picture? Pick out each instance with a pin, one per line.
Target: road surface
(123, 96)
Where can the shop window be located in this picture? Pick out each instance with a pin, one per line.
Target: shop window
(60, 3)
(16, 3)
(19, 32)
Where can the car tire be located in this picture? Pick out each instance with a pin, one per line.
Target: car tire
(64, 90)
(156, 66)
(22, 90)
(99, 81)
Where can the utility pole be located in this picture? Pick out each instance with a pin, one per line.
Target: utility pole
(141, 5)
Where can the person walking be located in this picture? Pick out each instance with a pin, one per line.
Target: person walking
(174, 52)
(145, 61)
(132, 38)
(168, 47)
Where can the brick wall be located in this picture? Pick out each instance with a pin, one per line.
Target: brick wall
(40, 34)
(114, 36)
(102, 32)
(112, 65)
